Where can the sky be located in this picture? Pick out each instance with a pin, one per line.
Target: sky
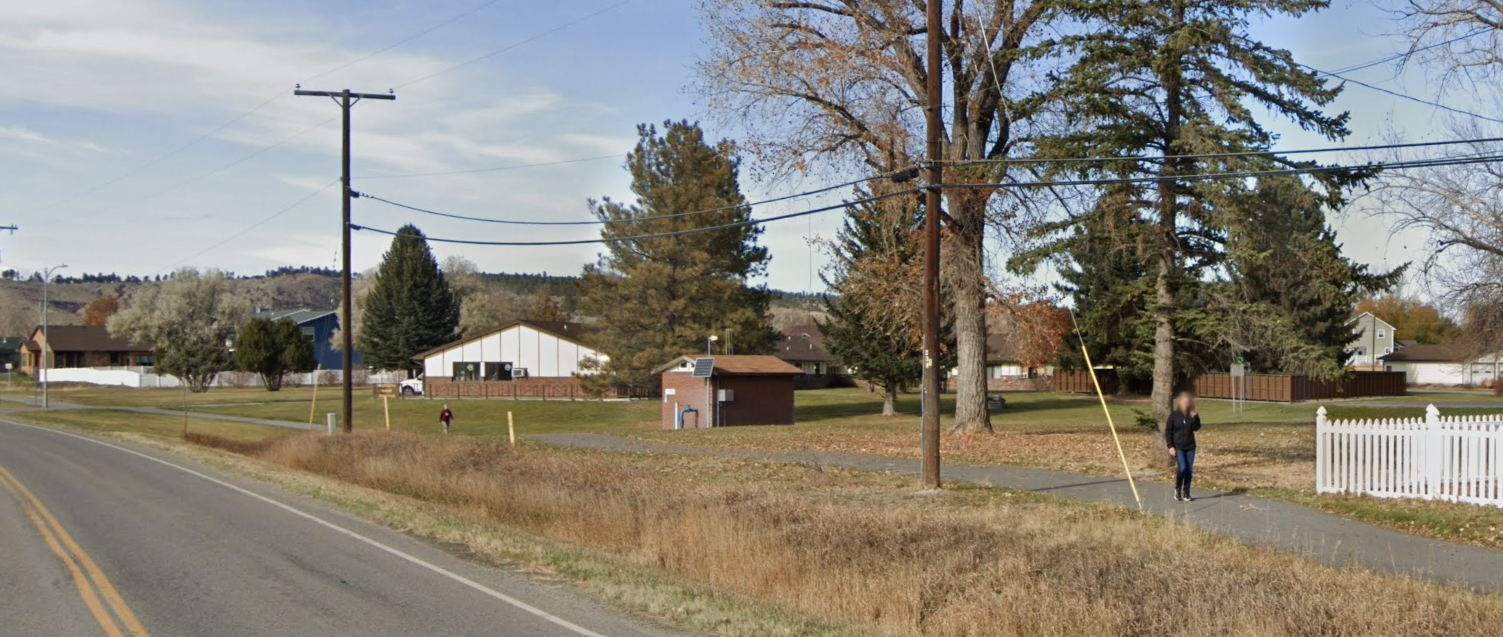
(139, 136)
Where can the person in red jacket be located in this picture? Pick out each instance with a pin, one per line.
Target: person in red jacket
(1179, 435)
(446, 417)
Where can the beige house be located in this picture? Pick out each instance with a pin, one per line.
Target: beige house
(81, 346)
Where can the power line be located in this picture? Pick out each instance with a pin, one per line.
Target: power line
(1246, 153)
(1400, 165)
(493, 169)
(1380, 89)
(1472, 158)
(657, 235)
(139, 168)
(251, 227)
(393, 45)
(514, 45)
(596, 222)
(1399, 56)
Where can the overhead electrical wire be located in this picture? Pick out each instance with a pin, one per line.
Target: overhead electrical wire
(139, 168)
(251, 227)
(1400, 165)
(1399, 56)
(1245, 153)
(516, 44)
(658, 235)
(597, 222)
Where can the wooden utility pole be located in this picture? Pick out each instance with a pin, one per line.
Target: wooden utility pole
(930, 427)
(345, 99)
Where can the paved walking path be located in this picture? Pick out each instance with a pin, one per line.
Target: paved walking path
(1316, 535)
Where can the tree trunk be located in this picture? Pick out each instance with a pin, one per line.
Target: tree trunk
(1168, 246)
(968, 274)
(890, 399)
(273, 382)
(1163, 349)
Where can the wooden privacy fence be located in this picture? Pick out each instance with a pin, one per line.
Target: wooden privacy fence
(1283, 388)
(1451, 458)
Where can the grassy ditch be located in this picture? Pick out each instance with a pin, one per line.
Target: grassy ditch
(858, 548)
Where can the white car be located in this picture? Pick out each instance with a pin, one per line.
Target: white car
(411, 387)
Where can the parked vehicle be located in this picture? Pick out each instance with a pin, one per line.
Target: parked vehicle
(412, 386)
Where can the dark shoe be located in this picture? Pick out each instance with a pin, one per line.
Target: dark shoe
(1187, 496)
(1178, 495)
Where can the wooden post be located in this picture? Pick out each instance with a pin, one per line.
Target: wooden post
(386, 407)
(511, 430)
(313, 409)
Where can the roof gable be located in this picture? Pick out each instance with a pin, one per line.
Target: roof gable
(572, 332)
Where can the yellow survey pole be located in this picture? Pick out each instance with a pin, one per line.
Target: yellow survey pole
(313, 408)
(511, 429)
(1097, 384)
(386, 407)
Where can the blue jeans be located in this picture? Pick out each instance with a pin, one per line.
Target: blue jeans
(1185, 460)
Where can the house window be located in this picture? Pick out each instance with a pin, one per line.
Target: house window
(464, 372)
(145, 360)
(308, 334)
(498, 371)
(1382, 333)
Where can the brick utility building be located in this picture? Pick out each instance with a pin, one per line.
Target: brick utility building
(727, 391)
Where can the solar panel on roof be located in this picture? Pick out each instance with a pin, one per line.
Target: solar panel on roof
(703, 367)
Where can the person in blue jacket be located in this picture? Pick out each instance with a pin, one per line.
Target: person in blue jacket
(1179, 435)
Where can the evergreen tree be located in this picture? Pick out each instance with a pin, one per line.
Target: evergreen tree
(1288, 304)
(1153, 82)
(658, 298)
(877, 346)
(273, 349)
(410, 308)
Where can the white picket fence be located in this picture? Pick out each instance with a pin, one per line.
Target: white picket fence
(147, 378)
(1451, 458)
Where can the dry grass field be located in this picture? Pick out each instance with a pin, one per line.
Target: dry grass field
(865, 549)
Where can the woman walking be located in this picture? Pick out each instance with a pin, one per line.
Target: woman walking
(446, 418)
(1179, 435)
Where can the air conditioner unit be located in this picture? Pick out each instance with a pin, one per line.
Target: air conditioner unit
(725, 395)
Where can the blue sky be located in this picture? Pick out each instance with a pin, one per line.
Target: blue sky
(97, 90)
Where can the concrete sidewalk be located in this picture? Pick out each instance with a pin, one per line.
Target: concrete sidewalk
(1313, 534)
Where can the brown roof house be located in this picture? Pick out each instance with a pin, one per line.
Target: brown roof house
(803, 346)
(726, 391)
(81, 346)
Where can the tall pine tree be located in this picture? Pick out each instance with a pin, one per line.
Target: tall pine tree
(871, 252)
(658, 298)
(1154, 82)
(1287, 305)
(410, 308)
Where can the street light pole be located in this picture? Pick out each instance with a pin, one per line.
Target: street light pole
(708, 341)
(46, 342)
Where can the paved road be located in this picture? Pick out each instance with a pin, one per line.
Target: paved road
(97, 538)
(1311, 533)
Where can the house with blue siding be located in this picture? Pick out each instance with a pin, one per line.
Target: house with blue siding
(319, 326)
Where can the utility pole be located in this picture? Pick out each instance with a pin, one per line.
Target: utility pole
(12, 228)
(345, 99)
(930, 427)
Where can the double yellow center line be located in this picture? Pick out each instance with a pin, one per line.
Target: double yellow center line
(98, 594)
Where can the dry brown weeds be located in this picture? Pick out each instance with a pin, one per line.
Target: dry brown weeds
(832, 547)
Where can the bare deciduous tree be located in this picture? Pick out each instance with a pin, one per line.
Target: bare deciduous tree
(841, 84)
(1460, 207)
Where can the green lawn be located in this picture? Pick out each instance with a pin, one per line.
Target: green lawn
(110, 420)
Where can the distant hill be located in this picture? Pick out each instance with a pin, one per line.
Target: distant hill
(292, 287)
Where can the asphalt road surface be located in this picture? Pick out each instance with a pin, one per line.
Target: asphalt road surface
(100, 538)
